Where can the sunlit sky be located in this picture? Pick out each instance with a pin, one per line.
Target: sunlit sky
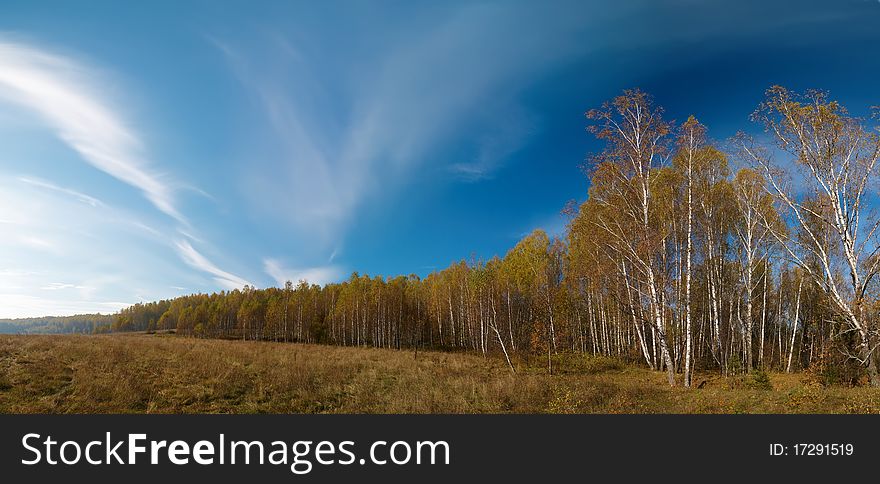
(154, 149)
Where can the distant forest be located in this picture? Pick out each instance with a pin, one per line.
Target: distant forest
(758, 253)
(80, 323)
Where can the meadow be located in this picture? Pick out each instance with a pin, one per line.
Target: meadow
(143, 373)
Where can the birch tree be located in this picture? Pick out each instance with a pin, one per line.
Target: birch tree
(636, 137)
(755, 217)
(836, 155)
(691, 139)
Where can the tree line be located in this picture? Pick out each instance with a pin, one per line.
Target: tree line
(688, 254)
(80, 323)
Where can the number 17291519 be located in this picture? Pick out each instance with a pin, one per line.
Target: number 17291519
(810, 449)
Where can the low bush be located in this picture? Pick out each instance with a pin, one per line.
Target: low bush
(834, 367)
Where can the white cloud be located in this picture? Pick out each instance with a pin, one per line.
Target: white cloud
(55, 286)
(510, 134)
(67, 95)
(51, 186)
(195, 259)
(61, 228)
(344, 130)
(61, 254)
(312, 275)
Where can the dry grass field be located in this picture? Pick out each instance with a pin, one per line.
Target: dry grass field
(168, 374)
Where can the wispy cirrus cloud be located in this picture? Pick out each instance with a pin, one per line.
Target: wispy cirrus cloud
(69, 96)
(312, 275)
(348, 125)
(36, 182)
(198, 261)
(66, 94)
(61, 254)
(511, 134)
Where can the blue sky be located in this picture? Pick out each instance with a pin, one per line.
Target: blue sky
(153, 149)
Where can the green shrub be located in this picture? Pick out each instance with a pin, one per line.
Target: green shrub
(760, 380)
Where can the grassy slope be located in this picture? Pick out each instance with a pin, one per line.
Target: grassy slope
(161, 374)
